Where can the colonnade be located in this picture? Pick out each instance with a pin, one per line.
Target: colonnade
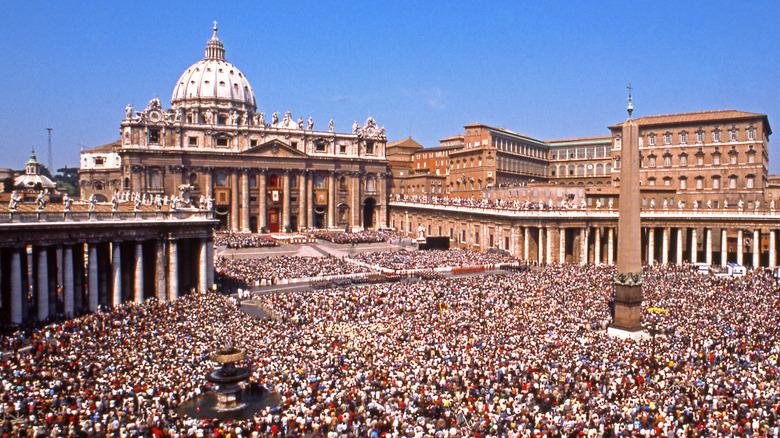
(558, 239)
(39, 281)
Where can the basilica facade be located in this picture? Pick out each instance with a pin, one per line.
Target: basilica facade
(263, 172)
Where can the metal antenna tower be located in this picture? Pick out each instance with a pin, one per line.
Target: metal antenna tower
(51, 162)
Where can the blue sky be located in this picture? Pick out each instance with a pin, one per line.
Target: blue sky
(423, 69)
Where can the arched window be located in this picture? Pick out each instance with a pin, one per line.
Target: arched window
(599, 169)
(193, 179)
(580, 170)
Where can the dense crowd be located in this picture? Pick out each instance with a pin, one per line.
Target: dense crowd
(505, 355)
(243, 240)
(365, 236)
(273, 269)
(504, 204)
(432, 259)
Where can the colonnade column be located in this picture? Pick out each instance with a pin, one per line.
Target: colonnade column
(245, 200)
(285, 200)
(650, 246)
(159, 271)
(234, 222)
(262, 196)
(116, 273)
(665, 247)
(583, 245)
(209, 183)
(548, 245)
(610, 246)
(513, 236)
(209, 262)
(708, 246)
(694, 245)
(67, 280)
(679, 255)
(173, 270)
(597, 246)
(772, 249)
(310, 206)
(740, 248)
(561, 245)
(203, 265)
(16, 286)
(332, 200)
(724, 249)
(138, 283)
(540, 246)
(355, 201)
(526, 242)
(42, 281)
(302, 199)
(94, 285)
(756, 248)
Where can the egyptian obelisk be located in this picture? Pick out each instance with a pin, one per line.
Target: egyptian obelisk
(628, 279)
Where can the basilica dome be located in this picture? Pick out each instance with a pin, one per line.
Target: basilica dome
(213, 80)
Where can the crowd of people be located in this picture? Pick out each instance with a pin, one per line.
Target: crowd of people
(243, 240)
(432, 259)
(365, 236)
(273, 269)
(499, 355)
(504, 204)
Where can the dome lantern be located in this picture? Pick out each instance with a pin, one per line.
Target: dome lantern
(214, 47)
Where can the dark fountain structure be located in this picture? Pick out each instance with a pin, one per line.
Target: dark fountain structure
(235, 397)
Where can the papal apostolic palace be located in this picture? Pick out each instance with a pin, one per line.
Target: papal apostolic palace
(264, 172)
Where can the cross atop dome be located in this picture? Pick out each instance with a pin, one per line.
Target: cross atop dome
(214, 47)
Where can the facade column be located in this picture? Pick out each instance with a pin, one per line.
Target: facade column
(285, 200)
(756, 249)
(382, 181)
(245, 200)
(173, 270)
(772, 249)
(94, 285)
(234, 223)
(665, 247)
(584, 245)
(116, 273)
(332, 200)
(159, 270)
(138, 281)
(651, 246)
(355, 206)
(679, 255)
(310, 196)
(724, 249)
(42, 281)
(561, 245)
(209, 184)
(597, 246)
(740, 248)
(203, 264)
(67, 280)
(302, 199)
(548, 245)
(16, 286)
(694, 246)
(708, 246)
(610, 246)
(526, 242)
(513, 236)
(262, 196)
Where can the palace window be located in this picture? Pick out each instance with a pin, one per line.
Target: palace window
(716, 158)
(683, 159)
(751, 133)
(750, 181)
(700, 137)
(683, 137)
(667, 160)
(733, 157)
(668, 138)
(667, 181)
(651, 181)
(683, 183)
(716, 136)
(716, 182)
(618, 143)
(651, 139)
(699, 183)
(733, 182)
(651, 161)
(733, 134)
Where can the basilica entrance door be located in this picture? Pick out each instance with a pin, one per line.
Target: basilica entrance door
(273, 220)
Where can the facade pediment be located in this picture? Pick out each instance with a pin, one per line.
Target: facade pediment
(275, 148)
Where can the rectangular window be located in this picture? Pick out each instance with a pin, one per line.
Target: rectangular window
(752, 158)
(667, 182)
(749, 183)
(733, 159)
(734, 135)
(716, 183)
(617, 143)
(683, 184)
(715, 136)
(99, 161)
(194, 141)
(683, 160)
(699, 137)
(699, 183)
(667, 161)
(700, 160)
(716, 160)
(651, 140)
(222, 142)
(476, 237)
(320, 147)
(370, 147)
(751, 134)
(667, 138)
(154, 136)
(683, 137)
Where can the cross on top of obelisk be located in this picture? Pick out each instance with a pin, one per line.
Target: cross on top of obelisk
(630, 105)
